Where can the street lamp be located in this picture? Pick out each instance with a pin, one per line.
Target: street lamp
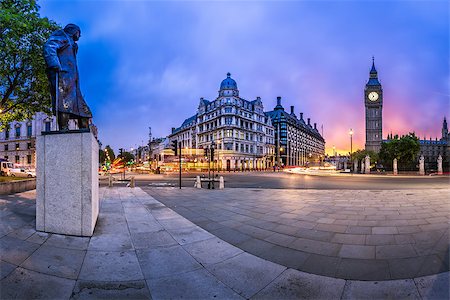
(351, 143)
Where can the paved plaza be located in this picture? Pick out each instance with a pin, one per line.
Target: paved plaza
(199, 244)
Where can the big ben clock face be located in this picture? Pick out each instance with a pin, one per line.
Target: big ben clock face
(373, 96)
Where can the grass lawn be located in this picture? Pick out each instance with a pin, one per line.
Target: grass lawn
(5, 178)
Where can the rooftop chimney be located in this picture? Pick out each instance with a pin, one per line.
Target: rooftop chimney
(315, 126)
(292, 109)
(173, 129)
(258, 98)
(301, 116)
(309, 121)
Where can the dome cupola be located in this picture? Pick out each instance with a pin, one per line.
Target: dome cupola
(228, 87)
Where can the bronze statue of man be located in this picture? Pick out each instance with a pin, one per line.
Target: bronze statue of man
(60, 53)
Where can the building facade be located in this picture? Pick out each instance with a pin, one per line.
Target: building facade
(18, 140)
(432, 148)
(298, 143)
(246, 137)
(373, 101)
(241, 132)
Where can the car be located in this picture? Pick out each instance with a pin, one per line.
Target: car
(22, 173)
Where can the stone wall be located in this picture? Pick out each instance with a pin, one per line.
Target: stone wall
(17, 186)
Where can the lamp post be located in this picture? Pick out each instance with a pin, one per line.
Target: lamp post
(351, 143)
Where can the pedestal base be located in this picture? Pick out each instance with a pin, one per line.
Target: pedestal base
(67, 183)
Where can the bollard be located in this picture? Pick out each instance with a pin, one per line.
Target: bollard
(110, 181)
(132, 182)
(198, 183)
(221, 183)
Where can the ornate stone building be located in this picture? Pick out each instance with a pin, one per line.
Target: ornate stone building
(432, 148)
(18, 141)
(246, 137)
(242, 133)
(373, 101)
(298, 143)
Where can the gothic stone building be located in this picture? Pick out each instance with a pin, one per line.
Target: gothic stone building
(373, 101)
(432, 148)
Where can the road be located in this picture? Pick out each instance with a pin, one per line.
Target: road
(270, 180)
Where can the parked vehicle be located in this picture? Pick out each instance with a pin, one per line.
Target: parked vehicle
(5, 167)
(22, 173)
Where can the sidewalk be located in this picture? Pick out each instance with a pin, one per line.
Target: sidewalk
(141, 249)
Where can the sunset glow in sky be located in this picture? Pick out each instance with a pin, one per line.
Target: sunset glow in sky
(147, 63)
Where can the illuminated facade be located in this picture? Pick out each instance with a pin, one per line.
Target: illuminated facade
(242, 133)
(298, 143)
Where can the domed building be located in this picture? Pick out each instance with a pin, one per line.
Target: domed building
(243, 135)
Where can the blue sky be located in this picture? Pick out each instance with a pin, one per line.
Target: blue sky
(147, 63)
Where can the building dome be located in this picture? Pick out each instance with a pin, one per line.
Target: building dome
(228, 83)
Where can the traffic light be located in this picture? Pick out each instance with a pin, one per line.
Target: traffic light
(121, 152)
(175, 147)
(205, 152)
(212, 153)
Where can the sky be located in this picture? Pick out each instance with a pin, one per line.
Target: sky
(147, 63)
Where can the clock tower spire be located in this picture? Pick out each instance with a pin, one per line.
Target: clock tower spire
(373, 101)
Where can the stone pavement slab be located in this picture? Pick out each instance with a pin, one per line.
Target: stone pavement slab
(292, 284)
(143, 249)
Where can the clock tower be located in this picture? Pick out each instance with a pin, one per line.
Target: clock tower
(373, 100)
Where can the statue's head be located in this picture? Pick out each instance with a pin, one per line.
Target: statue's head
(73, 31)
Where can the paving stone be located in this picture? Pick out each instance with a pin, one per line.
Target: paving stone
(363, 269)
(231, 236)
(111, 290)
(345, 238)
(394, 289)
(395, 251)
(401, 239)
(316, 247)
(331, 228)
(432, 265)
(198, 284)
(26, 284)
(384, 230)
(357, 251)
(359, 230)
(292, 284)
(211, 251)
(312, 234)
(246, 274)
(55, 261)
(254, 231)
(38, 237)
(280, 239)
(161, 262)
(144, 226)
(15, 251)
(257, 247)
(176, 223)
(6, 269)
(285, 256)
(110, 266)
(23, 233)
(380, 239)
(145, 240)
(434, 286)
(68, 242)
(321, 265)
(190, 235)
(110, 242)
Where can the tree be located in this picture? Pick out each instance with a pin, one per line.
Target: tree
(24, 86)
(126, 157)
(361, 154)
(405, 149)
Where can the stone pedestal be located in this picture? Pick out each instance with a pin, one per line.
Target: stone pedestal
(395, 167)
(421, 165)
(67, 183)
(439, 163)
(362, 167)
(367, 164)
(355, 166)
